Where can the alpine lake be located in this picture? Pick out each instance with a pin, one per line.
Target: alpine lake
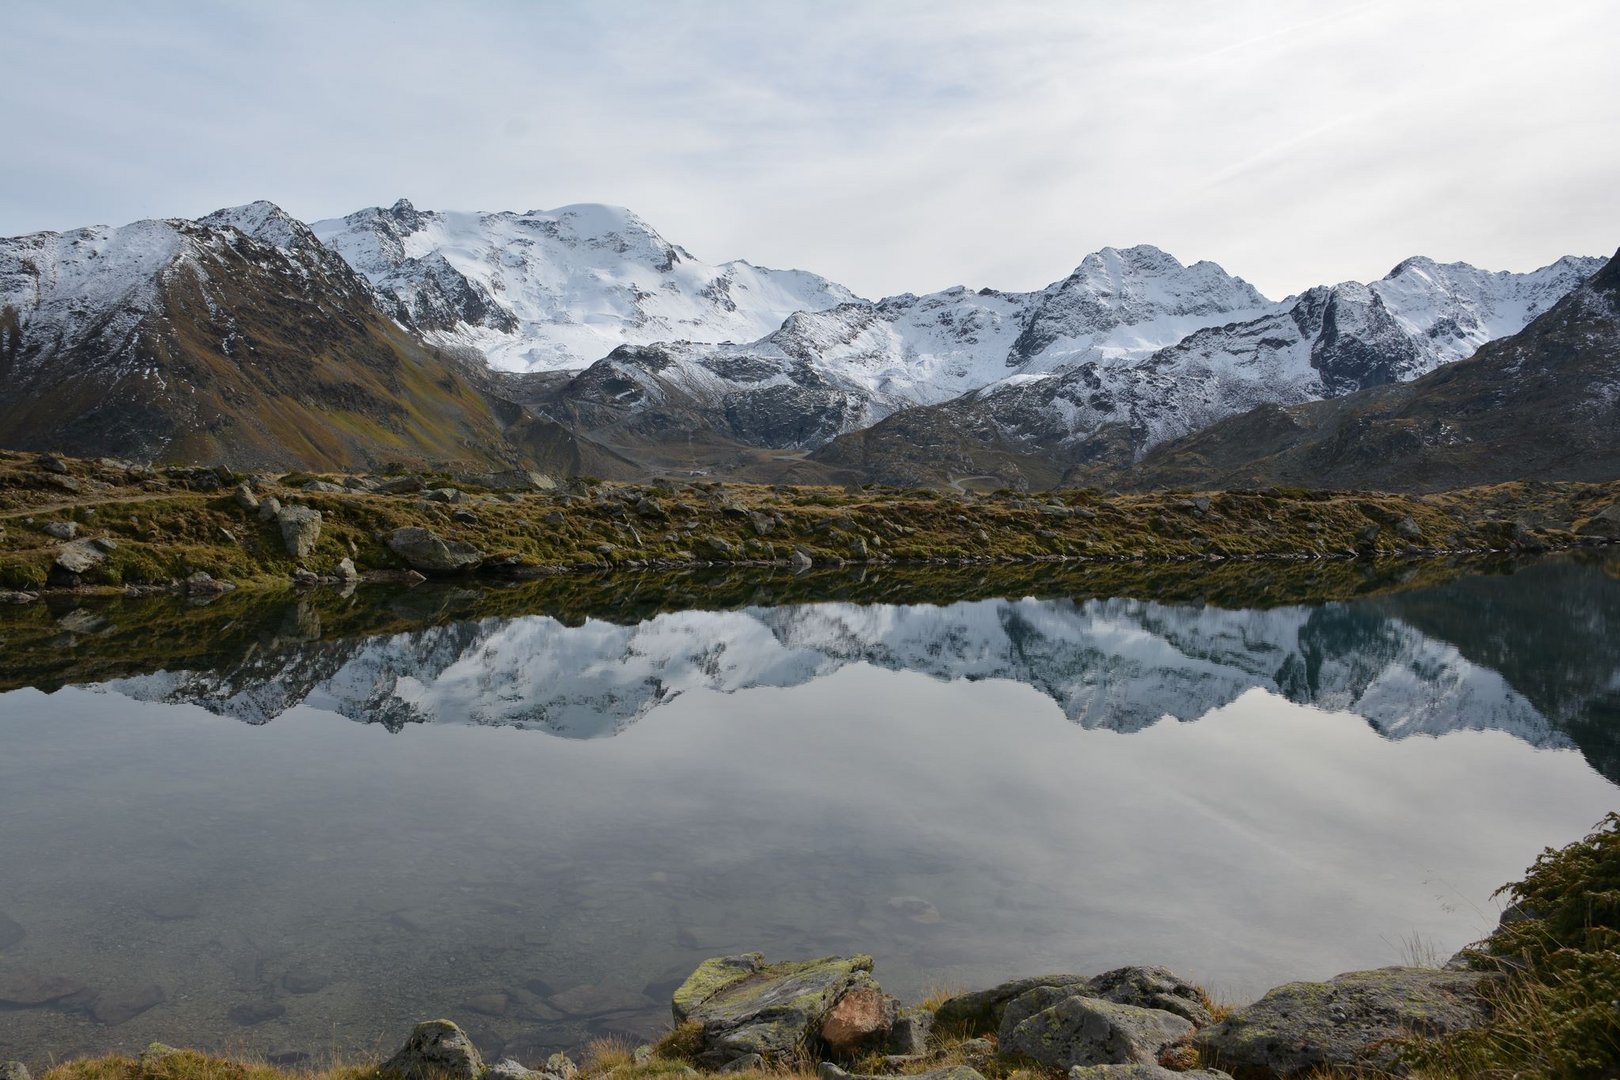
(294, 825)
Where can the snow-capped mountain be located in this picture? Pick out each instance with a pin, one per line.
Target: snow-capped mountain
(1117, 664)
(1329, 341)
(648, 348)
(828, 372)
(558, 289)
(237, 338)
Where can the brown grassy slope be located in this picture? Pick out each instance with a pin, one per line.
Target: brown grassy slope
(251, 359)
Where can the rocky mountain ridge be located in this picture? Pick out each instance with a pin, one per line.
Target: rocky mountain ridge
(628, 355)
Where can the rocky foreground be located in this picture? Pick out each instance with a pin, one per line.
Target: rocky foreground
(108, 524)
(1535, 999)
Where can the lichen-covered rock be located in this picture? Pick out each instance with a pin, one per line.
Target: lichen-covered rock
(422, 550)
(1029, 1003)
(746, 1006)
(1141, 1072)
(243, 496)
(1355, 1020)
(828, 1071)
(1091, 1031)
(910, 1032)
(1152, 988)
(300, 529)
(13, 1070)
(61, 530)
(436, 1050)
(979, 1012)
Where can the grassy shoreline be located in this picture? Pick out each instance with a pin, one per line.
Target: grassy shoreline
(162, 527)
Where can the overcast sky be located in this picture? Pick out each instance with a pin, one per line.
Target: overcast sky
(891, 145)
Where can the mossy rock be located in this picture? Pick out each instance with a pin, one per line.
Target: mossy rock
(746, 1006)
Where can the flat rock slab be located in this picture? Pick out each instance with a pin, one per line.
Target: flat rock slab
(28, 989)
(114, 1007)
(747, 1006)
(1356, 1020)
(1092, 1031)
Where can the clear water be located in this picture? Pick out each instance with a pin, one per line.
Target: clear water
(538, 826)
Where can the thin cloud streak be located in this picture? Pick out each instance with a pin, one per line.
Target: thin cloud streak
(906, 146)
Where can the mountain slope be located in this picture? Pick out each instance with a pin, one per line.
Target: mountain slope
(1542, 404)
(238, 339)
(1326, 342)
(556, 289)
(839, 370)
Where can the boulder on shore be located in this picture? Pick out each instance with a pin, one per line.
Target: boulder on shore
(300, 529)
(436, 1050)
(1092, 1031)
(746, 1006)
(425, 551)
(1353, 1021)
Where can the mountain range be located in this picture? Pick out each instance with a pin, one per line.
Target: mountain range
(581, 341)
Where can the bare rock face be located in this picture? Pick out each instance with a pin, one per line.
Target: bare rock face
(436, 1050)
(1352, 1021)
(863, 1018)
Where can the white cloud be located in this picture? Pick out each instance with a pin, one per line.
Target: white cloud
(893, 146)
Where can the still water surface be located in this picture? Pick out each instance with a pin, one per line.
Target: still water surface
(538, 828)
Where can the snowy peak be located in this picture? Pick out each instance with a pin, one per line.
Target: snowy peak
(1455, 308)
(558, 289)
(1124, 304)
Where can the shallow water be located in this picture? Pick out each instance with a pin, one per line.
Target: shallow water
(538, 828)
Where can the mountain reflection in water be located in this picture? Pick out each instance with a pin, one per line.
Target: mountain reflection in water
(1535, 654)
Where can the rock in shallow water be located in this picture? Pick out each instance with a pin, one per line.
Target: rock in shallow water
(113, 1007)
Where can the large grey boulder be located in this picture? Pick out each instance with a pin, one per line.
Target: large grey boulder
(1091, 1031)
(436, 1050)
(300, 529)
(79, 556)
(1142, 1072)
(746, 1006)
(1152, 988)
(828, 1071)
(423, 550)
(980, 1012)
(1354, 1021)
